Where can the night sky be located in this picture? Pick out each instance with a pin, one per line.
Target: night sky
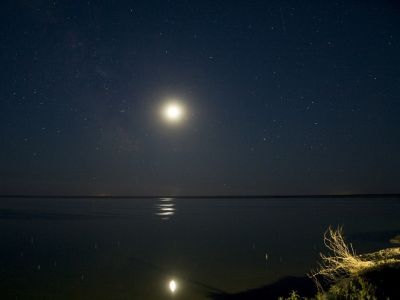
(281, 97)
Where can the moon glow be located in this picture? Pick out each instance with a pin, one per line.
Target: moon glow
(172, 286)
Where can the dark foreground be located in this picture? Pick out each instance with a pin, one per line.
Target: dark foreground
(382, 283)
(303, 285)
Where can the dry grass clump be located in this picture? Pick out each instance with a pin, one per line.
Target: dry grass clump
(344, 262)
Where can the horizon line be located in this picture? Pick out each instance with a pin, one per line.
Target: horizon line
(103, 196)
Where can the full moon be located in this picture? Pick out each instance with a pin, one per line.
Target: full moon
(173, 112)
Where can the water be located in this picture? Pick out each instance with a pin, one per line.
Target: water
(133, 248)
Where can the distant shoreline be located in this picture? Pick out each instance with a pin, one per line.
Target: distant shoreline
(206, 196)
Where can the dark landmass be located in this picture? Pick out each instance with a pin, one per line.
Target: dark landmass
(377, 283)
(386, 281)
(208, 196)
(303, 285)
(382, 283)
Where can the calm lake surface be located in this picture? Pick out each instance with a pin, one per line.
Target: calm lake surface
(132, 248)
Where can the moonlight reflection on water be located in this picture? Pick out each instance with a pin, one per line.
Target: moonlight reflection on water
(172, 286)
(165, 208)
